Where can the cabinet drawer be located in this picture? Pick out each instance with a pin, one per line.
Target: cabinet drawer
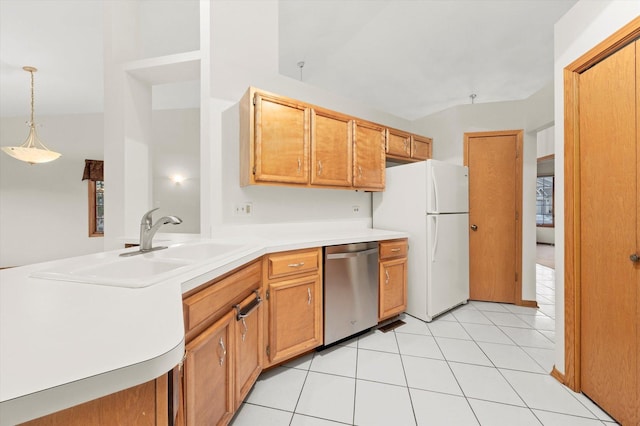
(205, 306)
(393, 248)
(294, 262)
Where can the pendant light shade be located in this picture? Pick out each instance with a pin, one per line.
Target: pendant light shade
(32, 151)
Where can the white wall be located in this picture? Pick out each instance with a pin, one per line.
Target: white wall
(546, 142)
(176, 150)
(44, 207)
(448, 127)
(249, 57)
(584, 26)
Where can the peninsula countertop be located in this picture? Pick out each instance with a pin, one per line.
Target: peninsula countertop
(63, 343)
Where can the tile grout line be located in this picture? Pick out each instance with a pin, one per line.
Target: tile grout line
(406, 380)
(301, 390)
(464, 395)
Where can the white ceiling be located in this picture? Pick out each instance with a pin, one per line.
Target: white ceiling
(407, 57)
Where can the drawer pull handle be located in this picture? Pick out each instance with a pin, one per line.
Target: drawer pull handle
(224, 351)
(386, 273)
(395, 250)
(246, 311)
(295, 265)
(308, 296)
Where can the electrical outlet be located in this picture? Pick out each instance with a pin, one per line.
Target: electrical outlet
(356, 209)
(243, 209)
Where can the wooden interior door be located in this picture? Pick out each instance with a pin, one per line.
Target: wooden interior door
(609, 187)
(495, 197)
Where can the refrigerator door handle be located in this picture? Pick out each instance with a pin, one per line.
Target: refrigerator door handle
(435, 190)
(435, 239)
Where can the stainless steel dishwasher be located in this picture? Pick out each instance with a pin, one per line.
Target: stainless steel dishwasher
(350, 290)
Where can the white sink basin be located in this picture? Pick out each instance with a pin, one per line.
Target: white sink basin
(118, 271)
(140, 270)
(196, 251)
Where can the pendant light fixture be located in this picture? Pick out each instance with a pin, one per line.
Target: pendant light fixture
(32, 150)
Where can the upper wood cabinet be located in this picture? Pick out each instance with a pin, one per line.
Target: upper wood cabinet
(287, 142)
(421, 147)
(398, 143)
(281, 141)
(368, 156)
(331, 148)
(406, 147)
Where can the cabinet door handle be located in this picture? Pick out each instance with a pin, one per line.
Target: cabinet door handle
(406, 146)
(245, 329)
(308, 296)
(295, 265)
(319, 167)
(299, 165)
(224, 351)
(386, 274)
(360, 171)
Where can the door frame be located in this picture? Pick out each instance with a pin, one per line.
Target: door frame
(518, 176)
(572, 259)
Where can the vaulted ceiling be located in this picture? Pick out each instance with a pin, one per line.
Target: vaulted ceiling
(406, 57)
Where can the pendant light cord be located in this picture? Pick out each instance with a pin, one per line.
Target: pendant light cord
(32, 123)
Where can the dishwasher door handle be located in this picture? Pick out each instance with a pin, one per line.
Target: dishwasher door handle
(351, 254)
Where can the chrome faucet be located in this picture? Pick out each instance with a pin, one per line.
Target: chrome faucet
(148, 229)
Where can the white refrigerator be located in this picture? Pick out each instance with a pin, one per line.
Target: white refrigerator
(430, 201)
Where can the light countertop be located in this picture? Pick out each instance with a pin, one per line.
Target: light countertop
(63, 343)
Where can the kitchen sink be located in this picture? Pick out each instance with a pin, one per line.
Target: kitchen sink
(196, 251)
(139, 271)
(119, 272)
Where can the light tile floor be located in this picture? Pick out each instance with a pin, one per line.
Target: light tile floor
(480, 364)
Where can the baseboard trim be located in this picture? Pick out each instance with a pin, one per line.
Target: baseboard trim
(529, 303)
(557, 375)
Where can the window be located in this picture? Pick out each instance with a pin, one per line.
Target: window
(93, 171)
(544, 201)
(96, 208)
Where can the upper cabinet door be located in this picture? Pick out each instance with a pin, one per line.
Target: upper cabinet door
(331, 148)
(398, 143)
(421, 147)
(368, 156)
(281, 141)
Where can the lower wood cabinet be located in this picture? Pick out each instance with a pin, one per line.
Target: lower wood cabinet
(145, 404)
(248, 346)
(393, 278)
(223, 355)
(208, 375)
(295, 322)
